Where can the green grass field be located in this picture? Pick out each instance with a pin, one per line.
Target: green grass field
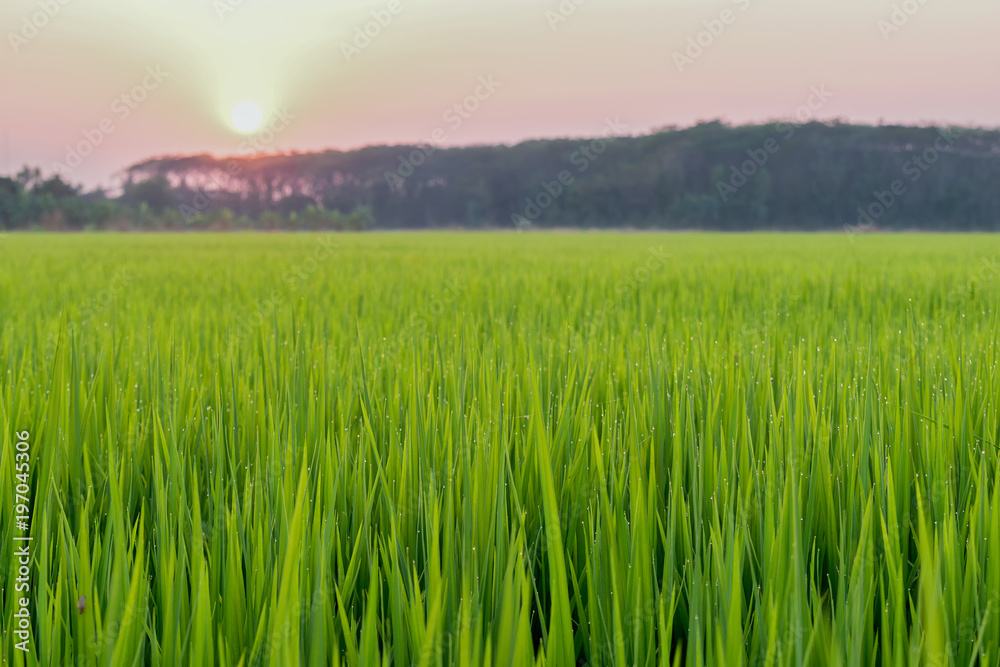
(502, 449)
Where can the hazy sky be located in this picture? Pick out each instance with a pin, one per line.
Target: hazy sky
(552, 69)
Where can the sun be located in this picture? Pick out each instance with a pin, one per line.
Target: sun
(247, 116)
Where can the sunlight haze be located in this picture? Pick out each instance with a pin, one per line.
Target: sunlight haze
(559, 72)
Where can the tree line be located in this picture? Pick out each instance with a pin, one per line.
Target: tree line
(715, 176)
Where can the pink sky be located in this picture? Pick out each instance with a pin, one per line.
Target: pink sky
(61, 83)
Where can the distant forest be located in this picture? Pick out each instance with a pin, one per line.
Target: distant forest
(711, 176)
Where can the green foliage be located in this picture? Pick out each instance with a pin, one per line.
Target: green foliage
(156, 193)
(818, 176)
(296, 450)
(711, 176)
(29, 202)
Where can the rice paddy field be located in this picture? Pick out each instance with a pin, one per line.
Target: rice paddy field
(500, 449)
